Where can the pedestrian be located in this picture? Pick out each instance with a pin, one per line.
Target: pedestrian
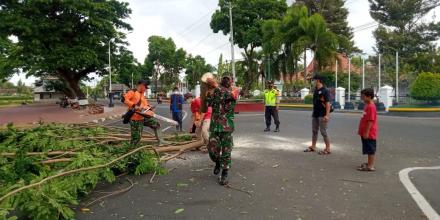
(271, 107)
(136, 99)
(222, 99)
(320, 115)
(176, 103)
(368, 129)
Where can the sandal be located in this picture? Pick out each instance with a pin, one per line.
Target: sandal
(324, 152)
(368, 169)
(309, 149)
(363, 165)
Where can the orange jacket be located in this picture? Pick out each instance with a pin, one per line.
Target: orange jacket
(131, 100)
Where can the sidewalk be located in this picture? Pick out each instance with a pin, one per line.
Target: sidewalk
(31, 114)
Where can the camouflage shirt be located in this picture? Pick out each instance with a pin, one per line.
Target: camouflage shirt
(222, 102)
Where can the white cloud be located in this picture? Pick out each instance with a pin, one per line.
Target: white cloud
(187, 22)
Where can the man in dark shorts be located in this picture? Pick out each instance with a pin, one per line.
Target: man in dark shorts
(320, 116)
(368, 129)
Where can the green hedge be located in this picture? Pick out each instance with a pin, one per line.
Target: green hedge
(426, 87)
(308, 99)
(11, 98)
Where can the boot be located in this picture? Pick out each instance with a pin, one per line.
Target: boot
(217, 168)
(224, 178)
(277, 129)
(267, 129)
(160, 140)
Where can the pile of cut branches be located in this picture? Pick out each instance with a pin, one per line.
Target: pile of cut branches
(46, 170)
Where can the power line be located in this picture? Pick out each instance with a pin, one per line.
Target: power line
(203, 39)
(194, 24)
(217, 48)
(365, 28)
(365, 25)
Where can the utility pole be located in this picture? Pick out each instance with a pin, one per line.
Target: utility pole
(378, 89)
(132, 83)
(349, 79)
(363, 73)
(156, 76)
(336, 75)
(232, 41)
(397, 76)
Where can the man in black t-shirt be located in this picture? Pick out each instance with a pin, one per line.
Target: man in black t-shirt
(320, 116)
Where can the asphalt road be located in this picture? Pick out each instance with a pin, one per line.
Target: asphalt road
(273, 179)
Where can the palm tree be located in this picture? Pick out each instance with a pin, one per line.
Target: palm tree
(319, 39)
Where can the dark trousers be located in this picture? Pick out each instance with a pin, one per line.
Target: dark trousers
(271, 111)
(177, 116)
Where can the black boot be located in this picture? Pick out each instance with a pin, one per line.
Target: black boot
(277, 129)
(217, 168)
(267, 129)
(224, 178)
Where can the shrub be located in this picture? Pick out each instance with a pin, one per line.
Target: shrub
(308, 99)
(426, 87)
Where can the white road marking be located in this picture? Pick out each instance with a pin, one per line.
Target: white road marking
(184, 116)
(426, 208)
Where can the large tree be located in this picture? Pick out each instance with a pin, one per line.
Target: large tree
(7, 66)
(167, 60)
(247, 17)
(282, 42)
(194, 69)
(285, 39)
(335, 14)
(66, 39)
(127, 70)
(405, 28)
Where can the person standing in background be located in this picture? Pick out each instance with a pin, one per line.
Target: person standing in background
(271, 107)
(320, 115)
(176, 103)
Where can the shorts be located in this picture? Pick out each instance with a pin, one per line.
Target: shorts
(368, 146)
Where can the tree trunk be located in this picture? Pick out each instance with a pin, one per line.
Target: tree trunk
(73, 84)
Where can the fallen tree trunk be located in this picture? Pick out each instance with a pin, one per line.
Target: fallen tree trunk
(72, 172)
(50, 153)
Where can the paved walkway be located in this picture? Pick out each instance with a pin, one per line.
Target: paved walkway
(29, 114)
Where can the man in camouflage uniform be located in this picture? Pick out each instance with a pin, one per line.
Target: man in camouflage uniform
(222, 100)
(136, 99)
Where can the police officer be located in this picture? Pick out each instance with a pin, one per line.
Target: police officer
(271, 106)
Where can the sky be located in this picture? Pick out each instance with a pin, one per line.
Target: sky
(187, 22)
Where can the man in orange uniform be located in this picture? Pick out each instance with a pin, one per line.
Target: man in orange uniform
(137, 100)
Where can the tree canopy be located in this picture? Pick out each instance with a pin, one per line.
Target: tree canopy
(335, 15)
(194, 69)
(66, 39)
(404, 28)
(248, 17)
(163, 52)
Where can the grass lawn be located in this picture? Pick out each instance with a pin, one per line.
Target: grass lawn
(6, 101)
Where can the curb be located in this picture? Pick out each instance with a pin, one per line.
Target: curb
(414, 109)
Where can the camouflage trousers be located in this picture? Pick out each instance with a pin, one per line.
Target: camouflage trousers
(220, 147)
(138, 126)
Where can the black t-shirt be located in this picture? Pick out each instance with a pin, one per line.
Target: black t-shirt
(320, 97)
